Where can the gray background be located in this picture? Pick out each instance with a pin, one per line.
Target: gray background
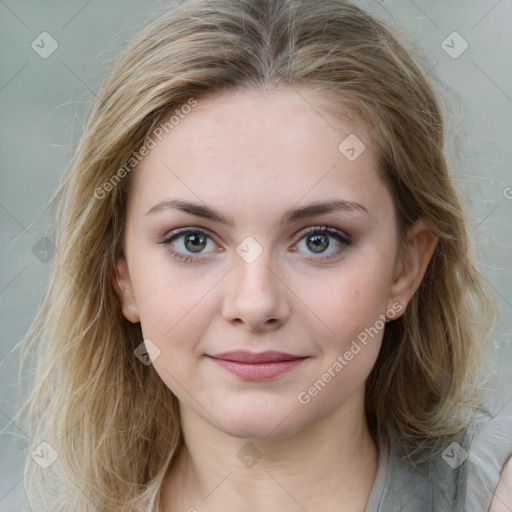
(43, 103)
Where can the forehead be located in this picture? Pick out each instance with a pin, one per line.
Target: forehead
(252, 147)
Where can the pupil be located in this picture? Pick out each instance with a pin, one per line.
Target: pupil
(196, 240)
(319, 242)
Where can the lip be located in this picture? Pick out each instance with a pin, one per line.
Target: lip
(257, 366)
(244, 356)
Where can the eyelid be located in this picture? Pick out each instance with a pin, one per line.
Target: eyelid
(326, 230)
(169, 236)
(343, 238)
(174, 233)
(183, 257)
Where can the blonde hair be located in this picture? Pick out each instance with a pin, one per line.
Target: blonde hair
(112, 421)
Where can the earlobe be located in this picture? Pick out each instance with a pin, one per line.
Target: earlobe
(121, 282)
(410, 270)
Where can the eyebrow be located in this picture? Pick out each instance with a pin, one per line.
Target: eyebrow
(293, 215)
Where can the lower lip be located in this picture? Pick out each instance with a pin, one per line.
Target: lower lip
(258, 371)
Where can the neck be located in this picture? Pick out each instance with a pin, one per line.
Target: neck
(330, 465)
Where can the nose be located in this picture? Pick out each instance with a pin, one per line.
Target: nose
(256, 296)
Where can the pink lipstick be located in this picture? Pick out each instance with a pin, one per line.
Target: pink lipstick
(252, 366)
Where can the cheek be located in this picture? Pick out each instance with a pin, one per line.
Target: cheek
(352, 305)
(353, 308)
(352, 299)
(176, 319)
(175, 312)
(167, 295)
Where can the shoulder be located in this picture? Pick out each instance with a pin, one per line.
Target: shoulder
(502, 499)
(490, 467)
(468, 471)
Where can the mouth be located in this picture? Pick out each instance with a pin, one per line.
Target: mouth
(254, 366)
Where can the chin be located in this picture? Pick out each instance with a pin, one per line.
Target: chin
(259, 422)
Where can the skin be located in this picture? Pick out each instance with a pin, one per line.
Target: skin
(254, 156)
(502, 500)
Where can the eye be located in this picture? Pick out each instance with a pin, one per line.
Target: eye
(319, 239)
(188, 242)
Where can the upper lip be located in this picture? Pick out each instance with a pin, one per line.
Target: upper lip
(244, 356)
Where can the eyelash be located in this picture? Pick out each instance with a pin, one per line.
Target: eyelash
(342, 238)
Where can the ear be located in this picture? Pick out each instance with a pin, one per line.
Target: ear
(411, 267)
(121, 282)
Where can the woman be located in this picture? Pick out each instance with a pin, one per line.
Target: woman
(263, 295)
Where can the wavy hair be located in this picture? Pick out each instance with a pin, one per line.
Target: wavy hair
(113, 423)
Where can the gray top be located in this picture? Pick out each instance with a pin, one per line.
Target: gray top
(461, 476)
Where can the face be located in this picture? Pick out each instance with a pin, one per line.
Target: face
(224, 252)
